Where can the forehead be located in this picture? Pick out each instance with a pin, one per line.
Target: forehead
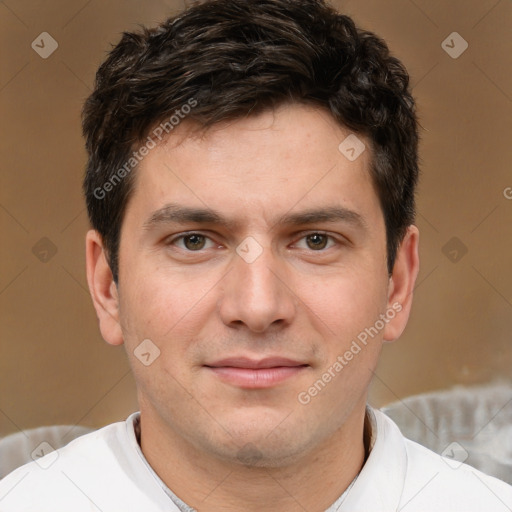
(259, 167)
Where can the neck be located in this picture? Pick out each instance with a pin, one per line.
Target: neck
(206, 483)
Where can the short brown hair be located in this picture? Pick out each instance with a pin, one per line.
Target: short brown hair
(240, 57)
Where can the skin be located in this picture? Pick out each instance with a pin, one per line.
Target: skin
(217, 445)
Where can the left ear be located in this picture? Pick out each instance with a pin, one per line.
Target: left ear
(401, 284)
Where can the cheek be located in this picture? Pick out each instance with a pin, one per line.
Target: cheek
(168, 304)
(342, 305)
(168, 307)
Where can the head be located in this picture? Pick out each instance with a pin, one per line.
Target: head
(228, 221)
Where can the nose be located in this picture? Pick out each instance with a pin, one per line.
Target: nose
(256, 294)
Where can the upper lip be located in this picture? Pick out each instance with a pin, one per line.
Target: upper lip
(246, 362)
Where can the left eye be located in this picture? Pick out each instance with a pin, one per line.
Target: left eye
(317, 241)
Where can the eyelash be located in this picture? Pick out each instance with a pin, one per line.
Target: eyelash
(304, 236)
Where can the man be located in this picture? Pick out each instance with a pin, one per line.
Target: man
(250, 185)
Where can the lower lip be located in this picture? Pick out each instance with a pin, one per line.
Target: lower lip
(256, 378)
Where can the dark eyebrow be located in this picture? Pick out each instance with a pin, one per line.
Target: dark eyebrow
(182, 214)
(328, 214)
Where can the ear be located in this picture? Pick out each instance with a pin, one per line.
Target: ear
(401, 284)
(103, 288)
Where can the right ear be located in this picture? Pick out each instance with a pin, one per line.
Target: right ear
(103, 288)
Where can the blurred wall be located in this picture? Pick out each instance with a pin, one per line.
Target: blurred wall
(54, 366)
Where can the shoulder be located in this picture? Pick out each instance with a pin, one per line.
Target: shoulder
(52, 477)
(97, 471)
(445, 483)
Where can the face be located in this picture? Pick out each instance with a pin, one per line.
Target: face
(254, 260)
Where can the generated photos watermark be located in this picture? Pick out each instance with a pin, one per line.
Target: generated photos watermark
(137, 156)
(305, 397)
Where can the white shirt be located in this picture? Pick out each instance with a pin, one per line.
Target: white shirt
(106, 471)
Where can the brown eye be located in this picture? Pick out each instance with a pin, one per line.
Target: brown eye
(317, 241)
(194, 242)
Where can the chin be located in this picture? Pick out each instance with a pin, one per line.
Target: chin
(266, 444)
(259, 455)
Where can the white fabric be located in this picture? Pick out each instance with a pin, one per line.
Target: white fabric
(106, 471)
(478, 418)
(19, 448)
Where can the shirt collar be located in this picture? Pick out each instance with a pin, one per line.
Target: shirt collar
(378, 486)
(133, 426)
(380, 483)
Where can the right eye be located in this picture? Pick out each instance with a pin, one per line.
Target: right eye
(192, 242)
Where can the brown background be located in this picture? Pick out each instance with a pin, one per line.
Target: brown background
(54, 366)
